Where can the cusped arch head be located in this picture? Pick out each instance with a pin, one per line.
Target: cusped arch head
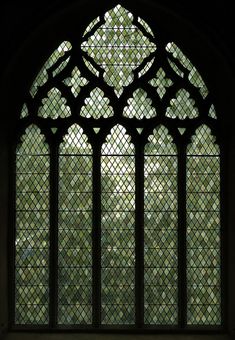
(32, 142)
(118, 142)
(160, 142)
(75, 142)
(203, 142)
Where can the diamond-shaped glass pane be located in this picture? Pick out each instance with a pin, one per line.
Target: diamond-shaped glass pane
(203, 229)
(61, 66)
(75, 229)
(160, 230)
(32, 229)
(139, 106)
(42, 76)
(118, 47)
(24, 111)
(118, 229)
(54, 106)
(193, 76)
(212, 112)
(182, 106)
(97, 105)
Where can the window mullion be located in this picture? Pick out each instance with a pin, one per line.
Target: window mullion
(96, 236)
(53, 276)
(139, 234)
(182, 225)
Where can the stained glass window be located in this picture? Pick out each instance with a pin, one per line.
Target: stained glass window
(117, 195)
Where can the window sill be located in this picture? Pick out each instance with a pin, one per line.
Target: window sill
(111, 336)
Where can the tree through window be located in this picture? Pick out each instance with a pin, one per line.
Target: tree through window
(118, 186)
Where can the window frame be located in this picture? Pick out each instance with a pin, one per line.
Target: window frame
(223, 236)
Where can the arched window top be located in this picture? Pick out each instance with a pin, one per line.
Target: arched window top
(120, 49)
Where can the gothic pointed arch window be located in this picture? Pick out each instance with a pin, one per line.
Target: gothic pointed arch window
(117, 195)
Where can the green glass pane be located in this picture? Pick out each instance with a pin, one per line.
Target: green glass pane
(54, 106)
(61, 67)
(182, 106)
(160, 143)
(160, 314)
(118, 47)
(124, 313)
(146, 67)
(29, 276)
(24, 111)
(212, 112)
(118, 220)
(161, 82)
(78, 220)
(204, 314)
(160, 230)
(75, 229)
(203, 143)
(76, 81)
(118, 229)
(32, 229)
(42, 76)
(91, 25)
(36, 314)
(139, 106)
(118, 143)
(75, 314)
(97, 105)
(175, 68)
(75, 143)
(193, 75)
(203, 230)
(145, 26)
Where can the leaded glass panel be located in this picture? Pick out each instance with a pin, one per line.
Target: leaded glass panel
(75, 229)
(203, 229)
(54, 106)
(32, 229)
(139, 106)
(193, 75)
(160, 230)
(119, 47)
(97, 105)
(42, 76)
(118, 228)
